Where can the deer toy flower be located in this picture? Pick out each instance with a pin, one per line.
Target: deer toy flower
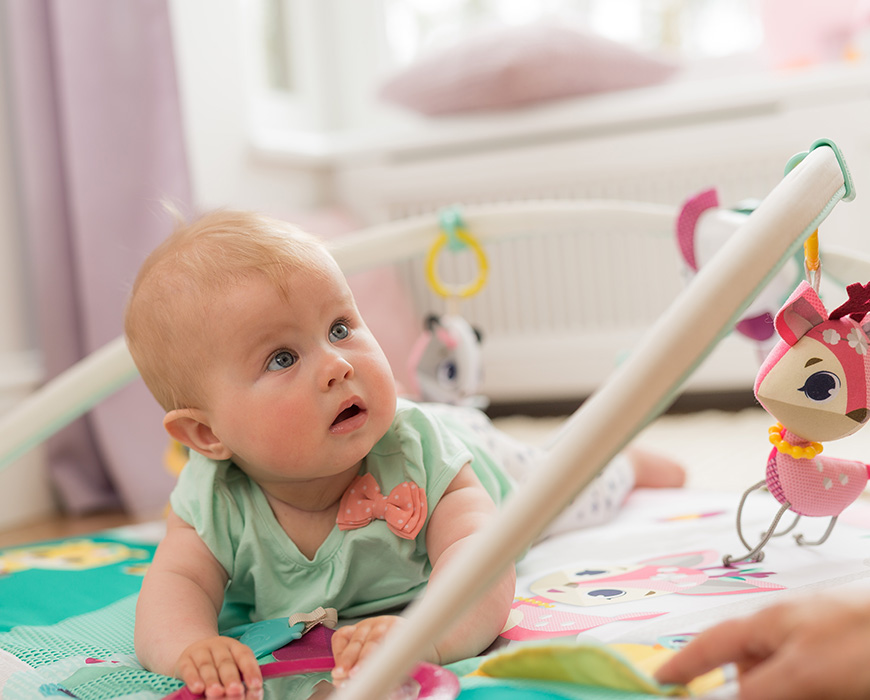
(815, 383)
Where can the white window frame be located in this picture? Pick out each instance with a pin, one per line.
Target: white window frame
(338, 53)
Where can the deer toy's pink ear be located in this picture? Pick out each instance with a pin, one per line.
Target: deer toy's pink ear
(802, 312)
(687, 224)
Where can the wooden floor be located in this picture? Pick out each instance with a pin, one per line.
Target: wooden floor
(64, 526)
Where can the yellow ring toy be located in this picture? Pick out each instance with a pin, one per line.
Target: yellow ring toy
(482, 266)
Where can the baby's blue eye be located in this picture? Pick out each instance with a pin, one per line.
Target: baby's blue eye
(281, 360)
(339, 331)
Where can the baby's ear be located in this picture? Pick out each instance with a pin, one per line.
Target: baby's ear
(187, 425)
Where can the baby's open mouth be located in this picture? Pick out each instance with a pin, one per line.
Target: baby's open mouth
(347, 413)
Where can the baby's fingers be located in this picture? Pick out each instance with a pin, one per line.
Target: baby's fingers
(222, 674)
(217, 668)
(354, 644)
(340, 640)
(198, 670)
(189, 673)
(346, 645)
(247, 664)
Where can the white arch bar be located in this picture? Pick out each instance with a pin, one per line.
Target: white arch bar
(638, 391)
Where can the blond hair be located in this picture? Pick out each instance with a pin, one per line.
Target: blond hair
(164, 315)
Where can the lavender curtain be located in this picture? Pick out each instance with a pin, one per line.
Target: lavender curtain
(99, 144)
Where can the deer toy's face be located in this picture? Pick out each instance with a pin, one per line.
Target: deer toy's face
(815, 381)
(808, 392)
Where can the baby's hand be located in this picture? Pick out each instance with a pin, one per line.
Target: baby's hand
(353, 643)
(219, 666)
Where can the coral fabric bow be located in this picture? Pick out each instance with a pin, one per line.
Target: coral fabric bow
(404, 509)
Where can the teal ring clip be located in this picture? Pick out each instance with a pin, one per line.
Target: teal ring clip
(847, 176)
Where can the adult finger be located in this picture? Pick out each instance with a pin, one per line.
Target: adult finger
(730, 641)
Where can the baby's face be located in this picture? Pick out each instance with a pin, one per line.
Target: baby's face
(298, 388)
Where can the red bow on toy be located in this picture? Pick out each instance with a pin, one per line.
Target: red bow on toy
(404, 510)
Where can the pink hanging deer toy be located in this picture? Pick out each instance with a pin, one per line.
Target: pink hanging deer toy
(815, 383)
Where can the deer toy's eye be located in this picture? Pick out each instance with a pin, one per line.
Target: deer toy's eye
(821, 386)
(607, 593)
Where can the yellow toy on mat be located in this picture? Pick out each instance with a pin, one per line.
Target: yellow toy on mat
(572, 670)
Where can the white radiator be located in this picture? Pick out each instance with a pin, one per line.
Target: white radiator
(564, 303)
(560, 310)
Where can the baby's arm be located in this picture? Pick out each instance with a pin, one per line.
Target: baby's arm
(176, 618)
(466, 508)
(463, 510)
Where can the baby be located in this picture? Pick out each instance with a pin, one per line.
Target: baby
(246, 332)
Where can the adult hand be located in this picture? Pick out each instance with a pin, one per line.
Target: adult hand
(816, 647)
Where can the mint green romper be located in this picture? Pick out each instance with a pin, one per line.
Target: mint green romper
(359, 572)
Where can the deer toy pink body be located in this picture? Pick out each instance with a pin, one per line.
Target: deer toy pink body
(815, 383)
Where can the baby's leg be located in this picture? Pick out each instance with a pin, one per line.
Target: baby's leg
(652, 470)
(599, 501)
(601, 498)
(605, 494)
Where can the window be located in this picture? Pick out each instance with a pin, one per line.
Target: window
(317, 63)
(314, 63)
(692, 28)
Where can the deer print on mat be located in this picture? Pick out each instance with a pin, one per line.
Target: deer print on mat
(815, 383)
(620, 587)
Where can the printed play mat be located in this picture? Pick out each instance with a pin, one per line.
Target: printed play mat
(595, 612)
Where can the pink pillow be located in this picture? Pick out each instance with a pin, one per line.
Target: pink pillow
(513, 66)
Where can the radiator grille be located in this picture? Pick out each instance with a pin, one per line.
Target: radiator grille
(559, 283)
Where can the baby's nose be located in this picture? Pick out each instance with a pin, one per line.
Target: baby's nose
(338, 369)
